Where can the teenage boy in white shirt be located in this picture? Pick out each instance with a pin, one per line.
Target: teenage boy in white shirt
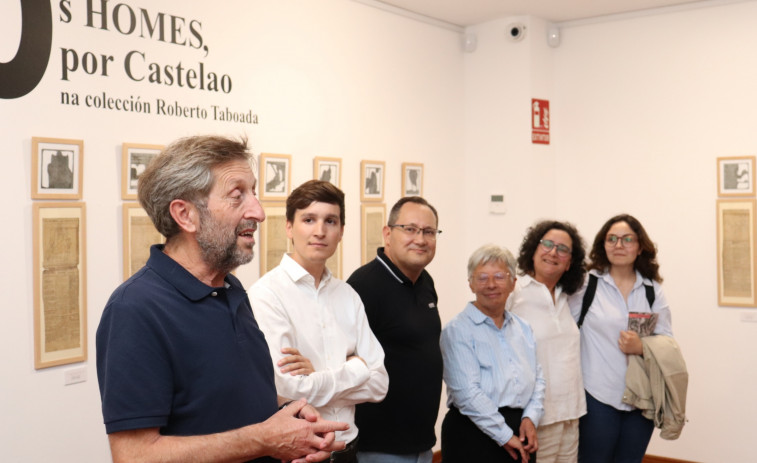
(322, 346)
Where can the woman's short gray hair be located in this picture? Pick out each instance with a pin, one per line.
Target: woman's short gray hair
(491, 253)
(184, 170)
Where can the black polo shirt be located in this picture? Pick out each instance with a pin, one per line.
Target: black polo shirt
(405, 319)
(182, 356)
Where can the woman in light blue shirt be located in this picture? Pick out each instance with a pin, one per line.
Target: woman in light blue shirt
(495, 386)
(624, 266)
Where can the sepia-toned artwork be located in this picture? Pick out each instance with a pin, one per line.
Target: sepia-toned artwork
(60, 314)
(57, 168)
(139, 234)
(736, 252)
(273, 237)
(329, 170)
(334, 263)
(373, 219)
(134, 160)
(275, 176)
(372, 180)
(412, 179)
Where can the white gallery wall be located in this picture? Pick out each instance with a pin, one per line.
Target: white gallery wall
(330, 78)
(641, 107)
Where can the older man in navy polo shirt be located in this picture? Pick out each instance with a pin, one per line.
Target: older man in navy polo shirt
(184, 371)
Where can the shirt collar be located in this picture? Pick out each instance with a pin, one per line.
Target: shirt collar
(529, 280)
(478, 317)
(394, 270)
(297, 272)
(180, 278)
(605, 275)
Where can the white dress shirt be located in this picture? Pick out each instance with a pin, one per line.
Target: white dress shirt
(558, 344)
(326, 324)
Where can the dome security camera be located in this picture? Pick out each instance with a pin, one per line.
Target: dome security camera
(516, 32)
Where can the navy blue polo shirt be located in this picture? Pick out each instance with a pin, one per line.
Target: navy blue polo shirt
(182, 356)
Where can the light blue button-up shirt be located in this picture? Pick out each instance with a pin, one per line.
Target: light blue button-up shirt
(486, 368)
(602, 362)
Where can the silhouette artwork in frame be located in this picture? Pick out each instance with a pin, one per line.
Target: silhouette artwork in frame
(56, 168)
(275, 176)
(372, 180)
(412, 179)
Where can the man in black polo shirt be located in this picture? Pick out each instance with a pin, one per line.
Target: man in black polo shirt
(184, 371)
(401, 305)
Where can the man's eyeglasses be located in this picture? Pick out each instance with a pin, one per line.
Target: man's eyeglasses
(625, 240)
(483, 278)
(412, 230)
(562, 250)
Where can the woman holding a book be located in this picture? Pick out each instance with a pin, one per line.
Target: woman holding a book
(622, 288)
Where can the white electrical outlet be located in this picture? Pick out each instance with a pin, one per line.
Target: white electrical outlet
(749, 316)
(75, 375)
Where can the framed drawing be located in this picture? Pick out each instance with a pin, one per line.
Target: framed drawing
(328, 169)
(275, 176)
(412, 179)
(372, 221)
(334, 263)
(60, 277)
(736, 176)
(134, 160)
(139, 234)
(57, 168)
(372, 180)
(736, 252)
(273, 236)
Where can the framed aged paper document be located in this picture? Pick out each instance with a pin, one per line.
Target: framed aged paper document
(329, 170)
(736, 252)
(139, 234)
(736, 176)
(134, 160)
(372, 221)
(372, 180)
(273, 236)
(60, 277)
(412, 179)
(275, 177)
(57, 168)
(334, 263)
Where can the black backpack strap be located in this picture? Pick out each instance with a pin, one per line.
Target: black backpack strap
(591, 288)
(650, 295)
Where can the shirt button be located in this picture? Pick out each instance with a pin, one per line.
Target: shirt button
(214, 294)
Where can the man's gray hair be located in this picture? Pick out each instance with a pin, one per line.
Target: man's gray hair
(184, 170)
(491, 253)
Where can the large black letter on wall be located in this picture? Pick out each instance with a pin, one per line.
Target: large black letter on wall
(19, 76)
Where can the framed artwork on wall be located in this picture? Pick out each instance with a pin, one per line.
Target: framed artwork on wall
(736, 176)
(60, 278)
(134, 160)
(736, 252)
(57, 168)
(372, 180)
(275, 176)
(328, 169)
(334, 263)
(372, 221)
(412, 179)
(139, 234)
(273, 236)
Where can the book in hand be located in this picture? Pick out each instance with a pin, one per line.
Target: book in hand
(642, 322)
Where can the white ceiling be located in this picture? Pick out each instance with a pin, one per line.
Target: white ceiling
(469, 12)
